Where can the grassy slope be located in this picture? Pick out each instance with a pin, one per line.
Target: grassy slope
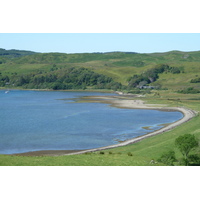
(119, 66)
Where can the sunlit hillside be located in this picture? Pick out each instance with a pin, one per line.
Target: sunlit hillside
(119, 66)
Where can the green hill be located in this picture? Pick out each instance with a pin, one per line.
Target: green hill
(13, 53)
(119, 66)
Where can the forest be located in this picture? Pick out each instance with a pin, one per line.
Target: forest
(63, 79)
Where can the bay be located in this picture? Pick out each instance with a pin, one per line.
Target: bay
(42, 120)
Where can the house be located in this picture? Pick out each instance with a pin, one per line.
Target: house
(146, 87)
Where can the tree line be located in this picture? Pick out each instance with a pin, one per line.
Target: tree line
(63, 79)
(13, 53)
(151, 75)
(82, 78)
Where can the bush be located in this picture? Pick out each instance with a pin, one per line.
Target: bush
(88, 153)
(168, 158)
(130, 154)
(194, 159)
(101, 152)
(175, 70)
(189, 90)
(196, 80)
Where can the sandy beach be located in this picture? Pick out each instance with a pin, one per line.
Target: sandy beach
(122, 102)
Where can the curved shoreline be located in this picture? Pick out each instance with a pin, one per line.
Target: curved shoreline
(188, 115)
(122, 103)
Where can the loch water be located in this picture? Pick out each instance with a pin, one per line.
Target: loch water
(52, 120)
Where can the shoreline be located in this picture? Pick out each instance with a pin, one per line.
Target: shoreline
(118, 102)
(69, 90)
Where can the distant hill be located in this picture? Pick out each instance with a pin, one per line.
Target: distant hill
(121, 59)
(13, 53)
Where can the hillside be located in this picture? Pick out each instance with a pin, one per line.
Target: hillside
(119, 66)
(13, 53)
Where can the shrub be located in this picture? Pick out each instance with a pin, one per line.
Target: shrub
(130, 154)
(196, 80)
(189, 90)
(168, 158)
(88, 153)
(175, 70)
(194, 159)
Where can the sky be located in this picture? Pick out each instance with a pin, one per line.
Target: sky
(100, 42)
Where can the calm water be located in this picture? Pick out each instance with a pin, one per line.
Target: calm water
(41, 120)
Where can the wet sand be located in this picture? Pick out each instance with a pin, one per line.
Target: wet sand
(122, 102)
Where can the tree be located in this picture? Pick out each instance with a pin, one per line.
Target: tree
(168, 158)
(185, 143)
(175, 70)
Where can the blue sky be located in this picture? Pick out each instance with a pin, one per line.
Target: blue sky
(101, 42)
